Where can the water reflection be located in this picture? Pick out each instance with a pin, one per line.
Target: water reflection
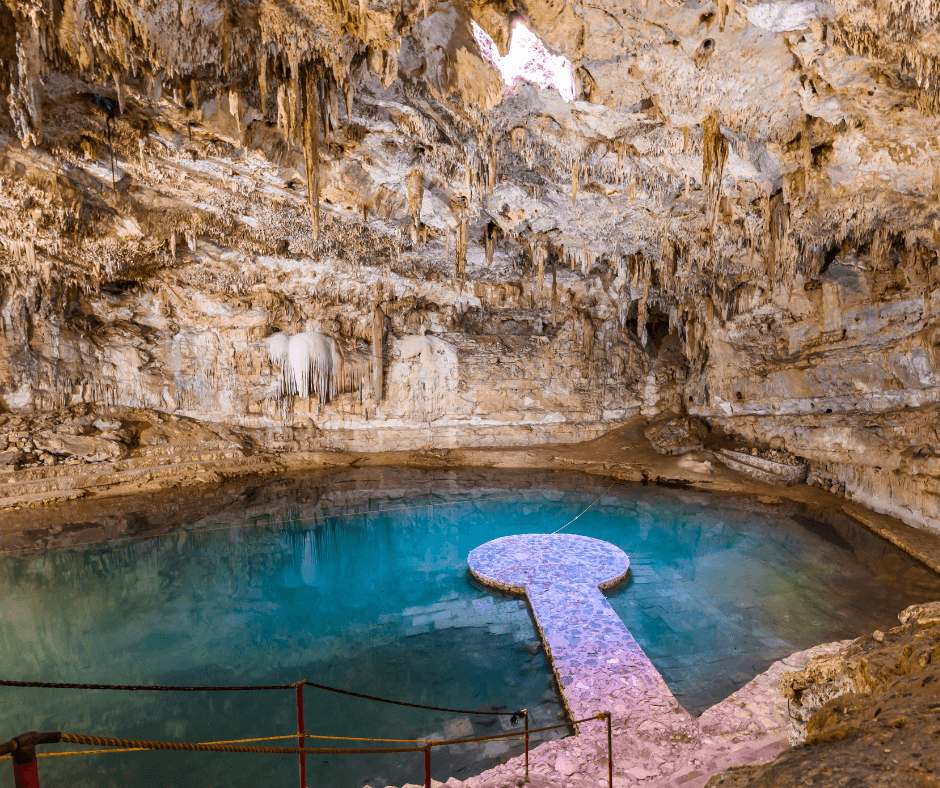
(358, 579)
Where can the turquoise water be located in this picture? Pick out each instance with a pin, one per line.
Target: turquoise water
(291, 579)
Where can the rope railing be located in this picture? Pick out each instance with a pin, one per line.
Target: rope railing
(249, 687)
(237, 745)
(298, 686)
(22, 749)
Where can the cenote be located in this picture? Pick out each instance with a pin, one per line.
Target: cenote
(358, 580)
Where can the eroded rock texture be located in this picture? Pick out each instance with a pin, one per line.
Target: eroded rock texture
(737, 218)
(866, 715)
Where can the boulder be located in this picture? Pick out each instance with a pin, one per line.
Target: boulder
(10, 459)
(676, 434)
(84, 447)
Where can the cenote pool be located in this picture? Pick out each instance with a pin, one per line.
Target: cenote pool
(358, 580)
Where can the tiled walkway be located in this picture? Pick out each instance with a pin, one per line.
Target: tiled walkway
(598, 664)
(600, 667)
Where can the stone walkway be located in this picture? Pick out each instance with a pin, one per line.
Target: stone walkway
(597, 663)
(600, 667)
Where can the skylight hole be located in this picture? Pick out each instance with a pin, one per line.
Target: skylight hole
(528, 59)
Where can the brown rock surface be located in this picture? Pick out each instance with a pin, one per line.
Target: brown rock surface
(82, 447)
(676, 435)
(872, 712)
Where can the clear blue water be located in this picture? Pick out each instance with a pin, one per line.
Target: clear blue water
(292, 579)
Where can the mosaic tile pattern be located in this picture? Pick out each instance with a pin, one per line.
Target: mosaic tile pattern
(600, 667)
(514, 563)
(598, 664)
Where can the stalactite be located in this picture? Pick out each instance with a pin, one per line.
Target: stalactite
(173, 244)
(575, 172)
(333, 103)
(880, 248)
(554, 293)
(378, 351)
(389, 67)
(588, 334)
(540, 254)
(461, 259)
(311, 126)
(447, 252)
(491, 237)
(25, 98)
(308, 364)
(641, 317)
(235, 108)
(415, 193)
(778, 225)
(119, 91)
(323, 105)
(262, 85)
(283, 112)
(714, 155)
(806, 160)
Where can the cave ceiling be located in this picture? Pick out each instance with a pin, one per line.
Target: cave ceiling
(823, 125)
(716, 158)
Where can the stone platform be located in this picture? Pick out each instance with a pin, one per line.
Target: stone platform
(600, 667)
(598, 664)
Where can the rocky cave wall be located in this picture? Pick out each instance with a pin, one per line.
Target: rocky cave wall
(738, 216)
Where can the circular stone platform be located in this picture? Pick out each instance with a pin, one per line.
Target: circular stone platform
(511, 563)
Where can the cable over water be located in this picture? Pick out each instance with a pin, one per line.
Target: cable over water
(588, 507)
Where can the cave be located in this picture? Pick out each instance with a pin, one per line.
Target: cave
(561, 380)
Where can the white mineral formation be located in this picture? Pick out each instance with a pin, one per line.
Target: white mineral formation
(782, 17)
(308, 362)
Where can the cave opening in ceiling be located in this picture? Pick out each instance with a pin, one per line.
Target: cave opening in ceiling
(528, 58)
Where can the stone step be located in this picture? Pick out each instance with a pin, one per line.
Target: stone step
(53, 496)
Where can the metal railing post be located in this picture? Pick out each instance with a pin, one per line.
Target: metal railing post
(300, 734)
(526, 712)
(610, 752)
(427, 765)
(25, 768)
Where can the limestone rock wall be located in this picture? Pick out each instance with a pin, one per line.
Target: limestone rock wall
(738, 216)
